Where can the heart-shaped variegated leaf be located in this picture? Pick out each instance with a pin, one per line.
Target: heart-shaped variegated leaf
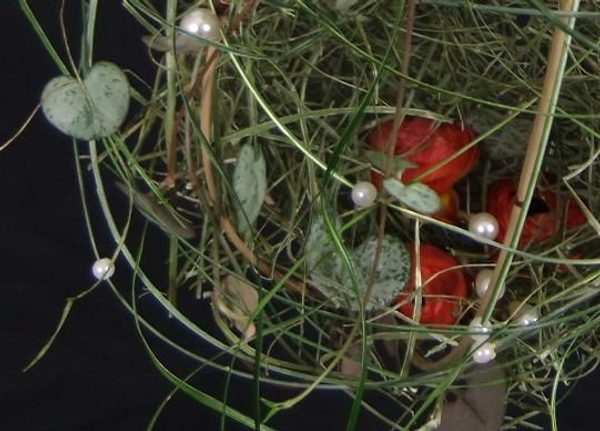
(416, 196)
(391, 274)
(333, 278)
(92, 109)
(250, 187)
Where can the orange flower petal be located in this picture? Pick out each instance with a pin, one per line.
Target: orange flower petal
(538, 226)
(420, 142)
(442, 289)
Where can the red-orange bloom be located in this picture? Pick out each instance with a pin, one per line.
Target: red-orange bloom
(449, 207)
(444, 285)
(425, 145)
(545, 213)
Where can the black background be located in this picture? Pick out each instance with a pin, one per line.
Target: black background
(97, 375)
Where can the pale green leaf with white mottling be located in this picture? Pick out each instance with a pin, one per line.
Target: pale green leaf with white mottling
(329, 275)
(416, 196)
(92, 109)
(250, 186)
(318, 244)
(323, 262)
(391, 275)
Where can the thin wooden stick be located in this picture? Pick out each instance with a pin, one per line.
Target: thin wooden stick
(208, 85)
(171, 123)
(390, 143)
(536, 149)
(201, 80)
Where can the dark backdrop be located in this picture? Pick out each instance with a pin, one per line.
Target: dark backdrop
(97, 375)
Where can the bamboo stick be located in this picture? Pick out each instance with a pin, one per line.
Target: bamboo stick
(536, 148)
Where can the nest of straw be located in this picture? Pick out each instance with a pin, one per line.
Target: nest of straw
(301, 84)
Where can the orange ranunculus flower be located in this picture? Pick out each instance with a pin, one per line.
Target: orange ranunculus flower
(545, 212)
(425, 145)
(449, 207)
(443, 288)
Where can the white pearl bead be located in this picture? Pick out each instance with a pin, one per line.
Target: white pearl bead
(484, 224)
(364, 194)
(479, 333)
(485, 353)
(527, 315)
(103, 269)
(201, 22)
(482, 282)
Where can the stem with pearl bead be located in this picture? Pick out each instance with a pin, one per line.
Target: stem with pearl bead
(536, 148)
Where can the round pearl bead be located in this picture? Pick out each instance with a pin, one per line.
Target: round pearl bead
(527, 315)
(479, 333)
(484, 224)
(201, 22)
(485, 353)
(103, 269)
(364, 194)
(482, 282)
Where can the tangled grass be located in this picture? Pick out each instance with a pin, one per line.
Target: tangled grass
(304, 83)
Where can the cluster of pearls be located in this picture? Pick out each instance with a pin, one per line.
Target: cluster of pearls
(484, 351)
(103, 268)
(479, 333)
